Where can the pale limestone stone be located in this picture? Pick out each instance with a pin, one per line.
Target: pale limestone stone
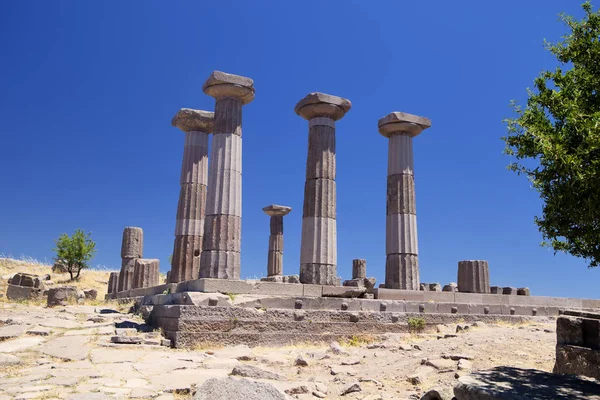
(188, 119)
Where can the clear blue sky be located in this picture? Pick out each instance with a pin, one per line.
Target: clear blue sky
(88, 90)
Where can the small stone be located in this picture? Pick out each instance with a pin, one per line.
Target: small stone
(433, 394)
(321, 388)
(351, 362)
(336, 348)
(90, 294)
(344, 306)
(126, 339)
(465, 365)
(456, 357)
(318, 394)
(9, 359)
(405, 347)
(355, 387)
(300, 362)
(165, 342)
(480, 324)
(249, 371)
(297, 390)
(441, 364)
(450, 335)
(151, 342)
(462, 328)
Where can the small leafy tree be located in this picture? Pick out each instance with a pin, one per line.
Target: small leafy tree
(75, 251)
(555, 140)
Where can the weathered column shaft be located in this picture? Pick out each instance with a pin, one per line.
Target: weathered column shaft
(223, 222)
(402, 265)
(319, 231)
(473, 276)
(131, 248)
(113, 282)
(359, 268)
(318, 252)
(189, 227)
(275, 258)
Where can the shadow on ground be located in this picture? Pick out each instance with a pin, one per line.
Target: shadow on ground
(531, 384)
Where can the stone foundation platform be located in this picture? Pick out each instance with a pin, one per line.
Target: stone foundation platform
(271, 313)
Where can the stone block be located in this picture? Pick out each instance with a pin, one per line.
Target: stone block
(280, 289)
(16, 293)
(343, 291)
(451, 287)
(509, 290)
(523, 291)
(473, 276)
(312, 290)
(113, 282)
(435, 287)
(575, 360)
(424, 287)
(495, 290)
(354, 283)
(569, 330)
(62, 296)
(146, 273)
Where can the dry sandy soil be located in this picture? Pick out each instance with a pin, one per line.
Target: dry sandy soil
(66, 352)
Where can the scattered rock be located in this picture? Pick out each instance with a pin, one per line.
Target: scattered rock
(441, 364)
(40, 331)
(300, 362)
(230, 388)
(337, 349)
(351, 362)
(249, 371)
(465, 365)
(318, 394)
(456, 357)
(355, 387)
(433, 394)
(298, 390)
(321, 388)
(480, 324)
(62, 296)
(12, 331)
(462, 328)
(450, 335)
(9, 359)
(420, 374)
(167, 343)
(90, 294)
(405, 347)
(126, 339)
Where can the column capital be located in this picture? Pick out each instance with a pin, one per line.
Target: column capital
(222, 85)
(188, 120)
(400, 122)
(275, 210)
(322, 105)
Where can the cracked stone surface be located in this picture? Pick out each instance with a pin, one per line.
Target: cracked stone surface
(76, 360)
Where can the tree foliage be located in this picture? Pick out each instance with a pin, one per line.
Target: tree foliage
(75, 251)
(555, 141)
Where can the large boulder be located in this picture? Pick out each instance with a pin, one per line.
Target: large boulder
(60, 267)
(16, 293)
(62, 296)
(90, 294)
(231, 388)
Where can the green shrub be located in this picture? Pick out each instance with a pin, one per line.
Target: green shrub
(416, 324)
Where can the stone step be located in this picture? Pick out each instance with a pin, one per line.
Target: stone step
(268, 339)
(272, 315)
(258, 326)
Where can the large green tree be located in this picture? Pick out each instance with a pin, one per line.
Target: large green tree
(555, 140)
(75, 251)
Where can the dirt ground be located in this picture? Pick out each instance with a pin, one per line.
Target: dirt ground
(66, 353)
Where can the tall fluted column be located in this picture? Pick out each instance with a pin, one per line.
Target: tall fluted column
(132, 248)
(223, 221)
(318, 248)
(402, 263)
(189, 228)
(275, 257)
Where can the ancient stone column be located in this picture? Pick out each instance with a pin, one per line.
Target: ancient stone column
(146, 273)
(402, 264)
(189, 228)
(275, 258)
(113, 282)
(131, 248)
(359, 268)
(223, 221)
(318, 247)
(473, 276)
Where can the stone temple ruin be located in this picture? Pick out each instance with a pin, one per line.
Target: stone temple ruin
(204, 298)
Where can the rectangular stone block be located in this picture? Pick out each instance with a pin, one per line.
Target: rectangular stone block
(209, 285)
(281, 289)
(569, 330)
(575, 360)
(343, 291)
(312, 290)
